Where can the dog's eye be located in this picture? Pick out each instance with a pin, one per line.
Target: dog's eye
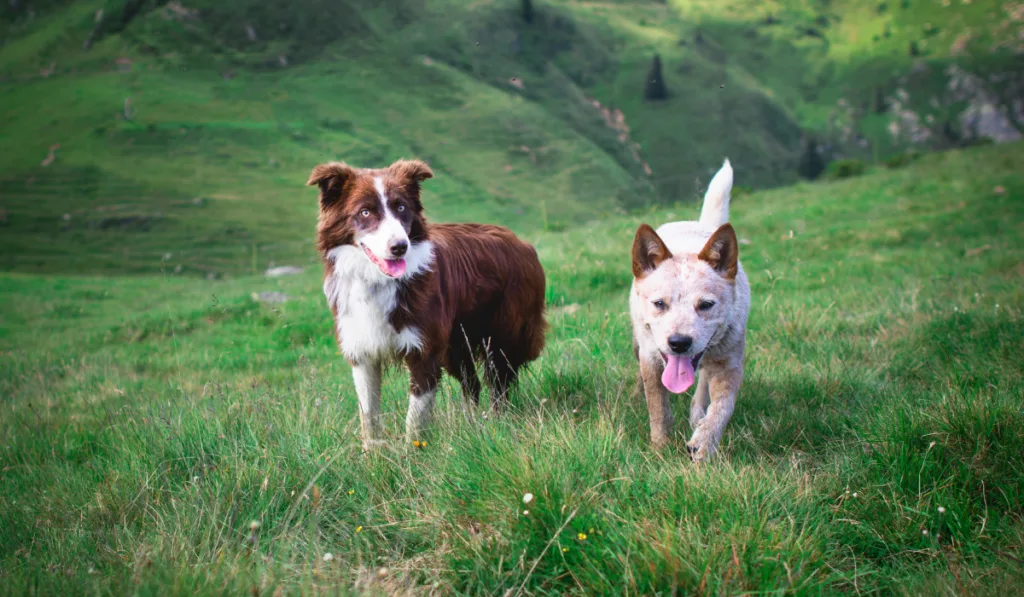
(400, 208)
(705, 305)
(365, 213)
(659, 305)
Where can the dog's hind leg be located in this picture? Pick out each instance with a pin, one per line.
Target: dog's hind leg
(501, 373)
(461, 366)
(701, 400)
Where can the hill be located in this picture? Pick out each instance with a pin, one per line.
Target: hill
(145, 136)
(172, 435)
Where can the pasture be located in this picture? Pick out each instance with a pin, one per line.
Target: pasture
(175, 435)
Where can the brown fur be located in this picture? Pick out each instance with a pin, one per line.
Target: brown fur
(722, 252)
(484, 299)
(481, 298)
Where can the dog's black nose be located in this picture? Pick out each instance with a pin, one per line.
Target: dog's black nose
(398, 248)
(679, 343)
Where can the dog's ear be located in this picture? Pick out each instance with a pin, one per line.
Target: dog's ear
(331, 178)
(648, 251)
(411, 172)
(722, 251)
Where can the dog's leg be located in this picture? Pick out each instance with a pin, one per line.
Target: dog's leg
(367, 381)
(469, 381)
(638, 390)
(501, 372)
(424, 375)
(461, 366)
(724, 385)
(658, 406)
(701, 399)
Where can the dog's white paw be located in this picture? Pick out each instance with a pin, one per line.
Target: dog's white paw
(700, 453)
(702, 444)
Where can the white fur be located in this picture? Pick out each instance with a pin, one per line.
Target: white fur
(719, 333)
(367, 382)
(389, 231)
(418, 417)
(363, 296)
(716, 200)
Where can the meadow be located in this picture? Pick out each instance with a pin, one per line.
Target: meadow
(168, 435)
(175, 422)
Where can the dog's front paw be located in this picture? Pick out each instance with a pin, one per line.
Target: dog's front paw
(699, 453)
(701, 445)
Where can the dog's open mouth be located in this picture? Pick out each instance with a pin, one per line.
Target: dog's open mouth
(390, 267)
(679, 371)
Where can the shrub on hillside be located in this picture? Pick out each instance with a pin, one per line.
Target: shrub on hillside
(901, 159)
(978, 142)
(528, 10)
(811, 164)
(654, 86)
(740, 191)
(847, 168)
(881, 102)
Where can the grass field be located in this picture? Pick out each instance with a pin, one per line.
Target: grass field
(164, 431)
(170, 435)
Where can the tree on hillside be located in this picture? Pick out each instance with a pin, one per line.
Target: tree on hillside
(811, 163)
(654, 86)
(528, 11)
(881, 102)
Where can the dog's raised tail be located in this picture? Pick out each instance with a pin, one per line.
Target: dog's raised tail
(715, 211)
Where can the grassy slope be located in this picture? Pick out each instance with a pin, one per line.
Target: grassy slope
(370, 82)
(156, 417)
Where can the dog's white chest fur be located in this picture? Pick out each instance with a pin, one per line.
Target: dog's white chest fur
(363, 301)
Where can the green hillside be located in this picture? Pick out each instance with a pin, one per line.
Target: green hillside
(167, 435)
(141, 136)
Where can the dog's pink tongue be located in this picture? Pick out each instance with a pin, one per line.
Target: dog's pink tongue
(678, 375)
(396, 267)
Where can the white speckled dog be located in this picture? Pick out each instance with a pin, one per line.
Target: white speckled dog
(689, 305)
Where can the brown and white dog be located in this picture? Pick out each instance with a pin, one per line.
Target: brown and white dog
(438, 296)
(689, 305)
